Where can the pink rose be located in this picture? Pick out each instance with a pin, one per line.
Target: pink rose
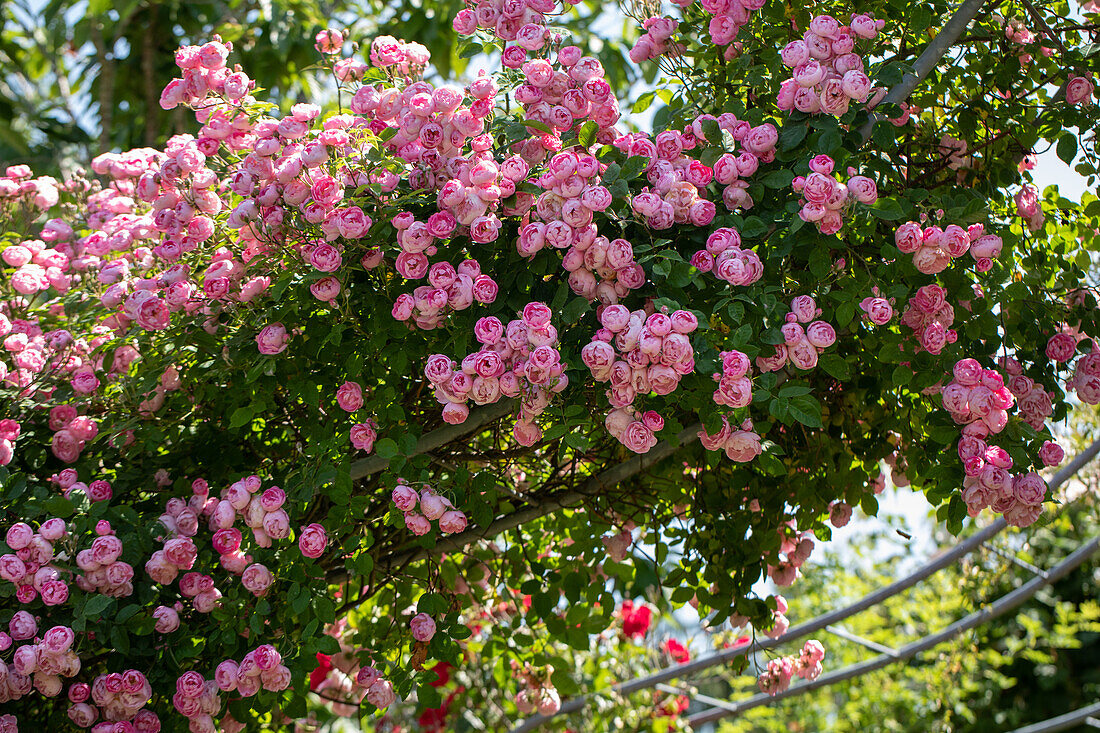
(1061, 347)
(19, 535)
(840, 514)
(743, 446)
(349, 396)
(256, 579)
(878, 310)
(418, 524)
(909, 237)
(1079, 89)
(362, 436)
(167, 620)
(863, 189)
(423, 627)
(638, 438)
(381, 694)
(452, 522)
(1051, 454)
(313, 540)
(804, 308)
(272, 339)
(1029, 489)
(820, 334)
(325, 258)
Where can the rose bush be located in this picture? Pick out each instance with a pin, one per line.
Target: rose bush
(257, 470)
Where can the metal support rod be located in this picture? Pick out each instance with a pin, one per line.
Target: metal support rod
(1062, 722)
(476, 420)
(707, 699)
(1017, 561)
(795, 632)
(873, 645)
(928, 60)
(1092, 722)
(818, 623)
(1002, 605)
(592, 486)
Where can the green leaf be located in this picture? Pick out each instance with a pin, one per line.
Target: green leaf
(888, 209)
(791, 135)
(835, 366)
(59, 506)
(807, 410)
(574, 309)
(712, 132)
(587, 134)
(241, 416)
(634, 166)
(778, 179)
(829, 141)
(1067, 147)
(386, 448)
(536, 125)
(96, 605)
(902, 375)
(754, 226)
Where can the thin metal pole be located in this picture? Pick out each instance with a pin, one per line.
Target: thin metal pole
(820, 622)
(593, 485)
(1070, 719)
(927, 61)
(873, 645)
(1015, 560)
(1002, 605)
(477, 419)
(795, 632)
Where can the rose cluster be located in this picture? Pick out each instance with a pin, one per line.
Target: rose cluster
(724, 257)
(827, 75)
(18, 182)
(560, 99)
(655, 41)
(449, 289)
(795, 547)
(28, 566)
(729, 16)
(669, 167)
(1086, 377)
(380, 692)
(199, 699)
(978, 399)
(933, 248)
(930, 316)
(801, 345)
(520, 360)
(824, 198)
(521, 22)
(120, 698)
(404, 58)
(538, 693)
(103, 571)
(432, 507)
(734, 385)
(39, 664)
(678, 182)
(807, 665)
(638, 354)
(572, 193)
